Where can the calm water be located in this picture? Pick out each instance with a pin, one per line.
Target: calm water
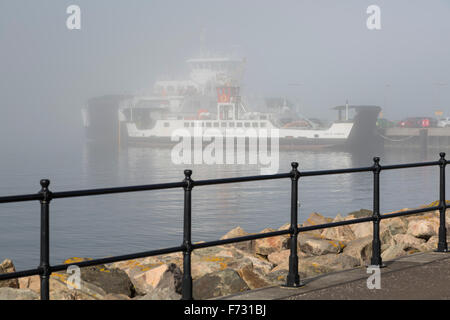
(125, 223)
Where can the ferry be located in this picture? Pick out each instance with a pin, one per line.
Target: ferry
(149, 123)
(210, 103)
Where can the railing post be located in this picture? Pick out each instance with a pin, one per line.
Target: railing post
(442, 244)
(186, 285)
(44, 265)
(293, 278)
(376, 243)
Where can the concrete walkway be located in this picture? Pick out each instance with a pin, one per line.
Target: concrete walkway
(416, 276)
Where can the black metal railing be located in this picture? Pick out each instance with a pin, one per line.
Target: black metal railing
(45, 196)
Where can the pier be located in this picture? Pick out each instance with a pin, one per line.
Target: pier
(416, 138)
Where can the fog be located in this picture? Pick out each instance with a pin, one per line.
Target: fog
(323, 47)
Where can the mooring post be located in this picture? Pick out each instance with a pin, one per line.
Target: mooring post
(442, 244)
(293, 278)
(186, 285)
(376, 243)
(44, 265)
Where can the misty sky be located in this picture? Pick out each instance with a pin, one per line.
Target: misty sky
(48, 72)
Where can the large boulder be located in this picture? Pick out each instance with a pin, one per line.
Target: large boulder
(61, 288)
(317, 265)
(362, 213)
(313, 220)
(393, 252)
(217, 284)
(165, 278)
(343, 233)
(408, 242)
(160, 294)
(316, 246)
(113, 281)
(8, 293)
(266, 246)
(360, 249)
(254, 280)
(236, 233)
(7, 266)
(423, 228)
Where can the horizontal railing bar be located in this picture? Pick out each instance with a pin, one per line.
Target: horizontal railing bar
(409, 165)
(240, 239)
(334, 171)
(241, 179)
(408, 212)
(125, 257)
(21, 198)
(334, 224)
(95, 192)
(19, 274)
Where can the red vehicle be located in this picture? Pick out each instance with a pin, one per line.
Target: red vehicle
(418, 122)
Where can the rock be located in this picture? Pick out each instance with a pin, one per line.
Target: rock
(252, 279)
(317, 265)
(32, 283)
(327, 263)
(7, 266)
(393, 252)
(239, 232)
(362, 213)
(314, 246)
(113, 281)
(398, 225)
(315, 219)
(362, 230)
(407, 241)
(116, 296)
(360, 249)
(160, 294)
(8, 293)
(218, 284)
(423, 228)
(202, 265)
(280, 257)
(430, 245)
(259, 264)
(266, 246)
(343, 233)
(167, 276)
(277, 277)
(61, 289)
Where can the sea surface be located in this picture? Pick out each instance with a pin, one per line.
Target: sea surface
(100, 226)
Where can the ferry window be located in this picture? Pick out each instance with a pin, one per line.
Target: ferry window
(208, 124)
(186, 124)
(262, 124)
(263, 117)
(231, 124)
(192, 124)
(239, 124)
(166, 124)
(223, 124)
(247, 124)
(255, 124)
(216, 124)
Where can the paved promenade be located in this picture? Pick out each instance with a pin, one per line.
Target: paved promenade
(416, 276)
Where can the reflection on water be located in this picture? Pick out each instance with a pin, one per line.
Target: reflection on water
(124, 223)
